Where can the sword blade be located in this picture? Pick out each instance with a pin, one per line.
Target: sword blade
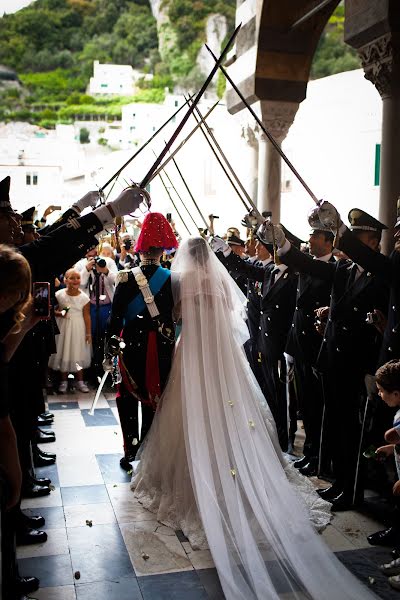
(151, 138)
(265, 130)
(166, 161)
(218, 62)
(97, 396)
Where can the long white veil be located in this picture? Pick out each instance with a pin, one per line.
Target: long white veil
(257, 528)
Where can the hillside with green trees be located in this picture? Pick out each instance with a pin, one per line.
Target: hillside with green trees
(52, 44)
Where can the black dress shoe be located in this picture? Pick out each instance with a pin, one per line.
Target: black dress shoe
(385, 537)
(43, 461)
(344, 502)
(47, 415)
(32, 490)
(41, 481)
(44, 437)
(37, 450)
(27, 536)
(301, 462)
(32, 521)
(44, 420)
(329, 493)
(310, 469)
(395, 553)
(26, 585)
(125, 463)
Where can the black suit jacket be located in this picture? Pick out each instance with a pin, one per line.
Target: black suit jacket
(386, 268)
(348, 341)
(277, 304)
(304, 341)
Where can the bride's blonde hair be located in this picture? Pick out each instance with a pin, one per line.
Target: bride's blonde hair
(15, 277)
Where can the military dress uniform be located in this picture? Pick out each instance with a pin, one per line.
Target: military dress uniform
(276, 311)
(135, 329)
(146, 359)
(348, 352)
(303, 345)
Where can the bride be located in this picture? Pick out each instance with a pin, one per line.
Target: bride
(211, 464)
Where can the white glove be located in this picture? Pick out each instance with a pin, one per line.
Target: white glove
(271, 234)
(219, 245)
(127, 202)
(326, 214)
(252, 219)
(89, 199)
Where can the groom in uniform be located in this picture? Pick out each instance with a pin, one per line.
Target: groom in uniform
(142, 315)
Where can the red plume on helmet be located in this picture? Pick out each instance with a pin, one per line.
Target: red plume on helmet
(156, 232)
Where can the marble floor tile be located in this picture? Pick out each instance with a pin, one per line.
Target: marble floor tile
(65, 592)
(66, 404)
(101, 565)
(54, 516)
(175, 586)
(119, 491)
(102, 417)
(57, 543)
(335, 540)
(201, 559)
(121, 589)
(86, 403)
(356, 527)
(97, 514)
(84, 494)
(128, 510)
(99, 537)
(78, 470)
(110, 469)
(52, 499)
(210, 581)
(154, 548)
(52, 571)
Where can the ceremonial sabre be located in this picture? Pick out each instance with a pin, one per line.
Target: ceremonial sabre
(231, 169)
(149, 176)
(166, 161)
(180, 198)
(144, 145)
(97, 396)
(267, 133)
(190, 193)
(174, 205)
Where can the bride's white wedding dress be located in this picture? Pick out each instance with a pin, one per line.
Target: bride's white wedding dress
(211, 464)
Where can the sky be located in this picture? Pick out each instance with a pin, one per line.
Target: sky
(10, 6)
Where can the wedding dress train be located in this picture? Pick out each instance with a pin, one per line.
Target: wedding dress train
(211, 464)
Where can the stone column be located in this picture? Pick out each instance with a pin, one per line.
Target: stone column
(381, 63)
(277, 118)
(250, 134)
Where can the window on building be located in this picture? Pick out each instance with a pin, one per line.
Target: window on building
(34, 179)
(377, 174)
(176, 103)
(28, 179)
(104, 85)
(31, 178)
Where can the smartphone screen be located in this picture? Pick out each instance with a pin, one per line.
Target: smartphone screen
(41, 299)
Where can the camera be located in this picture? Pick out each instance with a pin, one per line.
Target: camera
(372, 318)
(100, 262)
(41, 299)
(127, 245)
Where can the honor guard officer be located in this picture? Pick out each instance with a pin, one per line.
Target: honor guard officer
(349, 342)
(142, 311)
(303, 345)
(278, 297)
(386, 267)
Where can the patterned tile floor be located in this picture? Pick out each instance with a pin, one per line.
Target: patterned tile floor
(103, 545)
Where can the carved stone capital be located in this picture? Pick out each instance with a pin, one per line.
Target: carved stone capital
(277, 118)
(250, 134)
(380, 60)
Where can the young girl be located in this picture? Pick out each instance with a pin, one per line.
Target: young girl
(74, 341)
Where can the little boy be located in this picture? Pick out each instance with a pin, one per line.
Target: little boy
(388, 384)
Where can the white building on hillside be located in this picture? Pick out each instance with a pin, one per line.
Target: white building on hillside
(114, 79)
